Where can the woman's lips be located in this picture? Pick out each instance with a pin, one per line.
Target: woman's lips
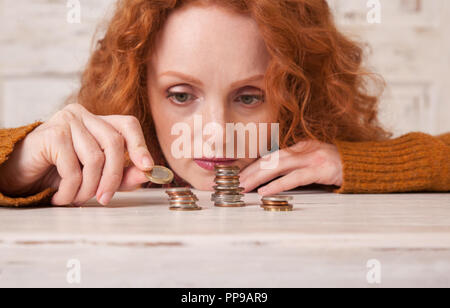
(208, 164)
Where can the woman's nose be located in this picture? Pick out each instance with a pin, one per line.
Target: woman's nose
(214, 112)
(214, 116)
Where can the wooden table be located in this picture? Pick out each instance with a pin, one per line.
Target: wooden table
(326, 241)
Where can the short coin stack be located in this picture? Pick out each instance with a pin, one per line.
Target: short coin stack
(278, 203)
(182, 199)
(228, 192)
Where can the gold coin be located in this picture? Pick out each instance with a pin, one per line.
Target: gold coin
(160, 175)
(284, 208)
(184, 198)
(279, 203)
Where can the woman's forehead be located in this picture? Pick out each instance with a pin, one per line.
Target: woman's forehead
(211, 36)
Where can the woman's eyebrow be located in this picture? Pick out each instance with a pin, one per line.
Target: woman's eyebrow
(186, 77)
(196, 81)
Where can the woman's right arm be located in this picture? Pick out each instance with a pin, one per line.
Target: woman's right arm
(77, 154)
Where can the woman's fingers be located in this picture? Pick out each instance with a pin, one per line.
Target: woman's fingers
(288, 162)
(132, 179)
(67, 164)
(299, 177)
(302, 147)
(91, 157)
(113, 146)
(130, 128)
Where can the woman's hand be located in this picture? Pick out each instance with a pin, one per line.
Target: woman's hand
(311, 162)
(81, 155)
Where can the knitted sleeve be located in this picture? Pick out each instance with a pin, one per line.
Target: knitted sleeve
(411, 163)
(8, 139)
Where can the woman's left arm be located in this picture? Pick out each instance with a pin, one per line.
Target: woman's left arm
(413, 162)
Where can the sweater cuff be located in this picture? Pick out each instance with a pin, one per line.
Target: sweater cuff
(8, 139)
(43, 197)
(413, 162)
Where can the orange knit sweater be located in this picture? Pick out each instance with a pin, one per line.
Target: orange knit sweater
(411, 163)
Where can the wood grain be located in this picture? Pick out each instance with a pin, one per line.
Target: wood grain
(137, 241)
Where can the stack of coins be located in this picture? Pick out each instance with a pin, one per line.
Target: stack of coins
(227, 191)
(182, 199)
(278, 203)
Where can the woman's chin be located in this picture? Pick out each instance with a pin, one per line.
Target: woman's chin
(203, 184)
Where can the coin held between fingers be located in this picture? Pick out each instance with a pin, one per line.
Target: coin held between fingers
(160, 175)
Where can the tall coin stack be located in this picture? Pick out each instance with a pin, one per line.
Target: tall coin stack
(182, 199)
(279, 203)
(228, 192)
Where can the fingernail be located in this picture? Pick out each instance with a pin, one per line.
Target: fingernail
(105, 198)
(147, 163)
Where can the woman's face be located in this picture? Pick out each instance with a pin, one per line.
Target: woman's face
(208, 64)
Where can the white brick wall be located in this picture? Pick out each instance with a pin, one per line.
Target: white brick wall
(41, 56)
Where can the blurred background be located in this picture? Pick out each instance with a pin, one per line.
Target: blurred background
(43, 49)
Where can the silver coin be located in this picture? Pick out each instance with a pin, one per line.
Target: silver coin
(230, 204)
(182, 203)
(229, 182)
(234, 194)
(231, 188)
(227, 173)
(192, 200)
(279, 198)
(226, 199)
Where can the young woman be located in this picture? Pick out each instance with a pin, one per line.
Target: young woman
(229, 61)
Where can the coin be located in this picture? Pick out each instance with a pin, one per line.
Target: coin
(226, 167)
(285, 208)
(229, 204)
(277, 198)
(185, 209)
(227, 182)
(227, 174)
(275, 202)
(226, 198)
(160, 175)
(230, 188)
(182, 199)
(227, 177)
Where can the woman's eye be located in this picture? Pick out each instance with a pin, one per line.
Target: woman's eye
(179, 98)
(250, 100)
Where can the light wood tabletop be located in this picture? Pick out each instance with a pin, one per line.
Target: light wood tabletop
(329, 240)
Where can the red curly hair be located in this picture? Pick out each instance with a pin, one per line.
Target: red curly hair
(315, 78)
